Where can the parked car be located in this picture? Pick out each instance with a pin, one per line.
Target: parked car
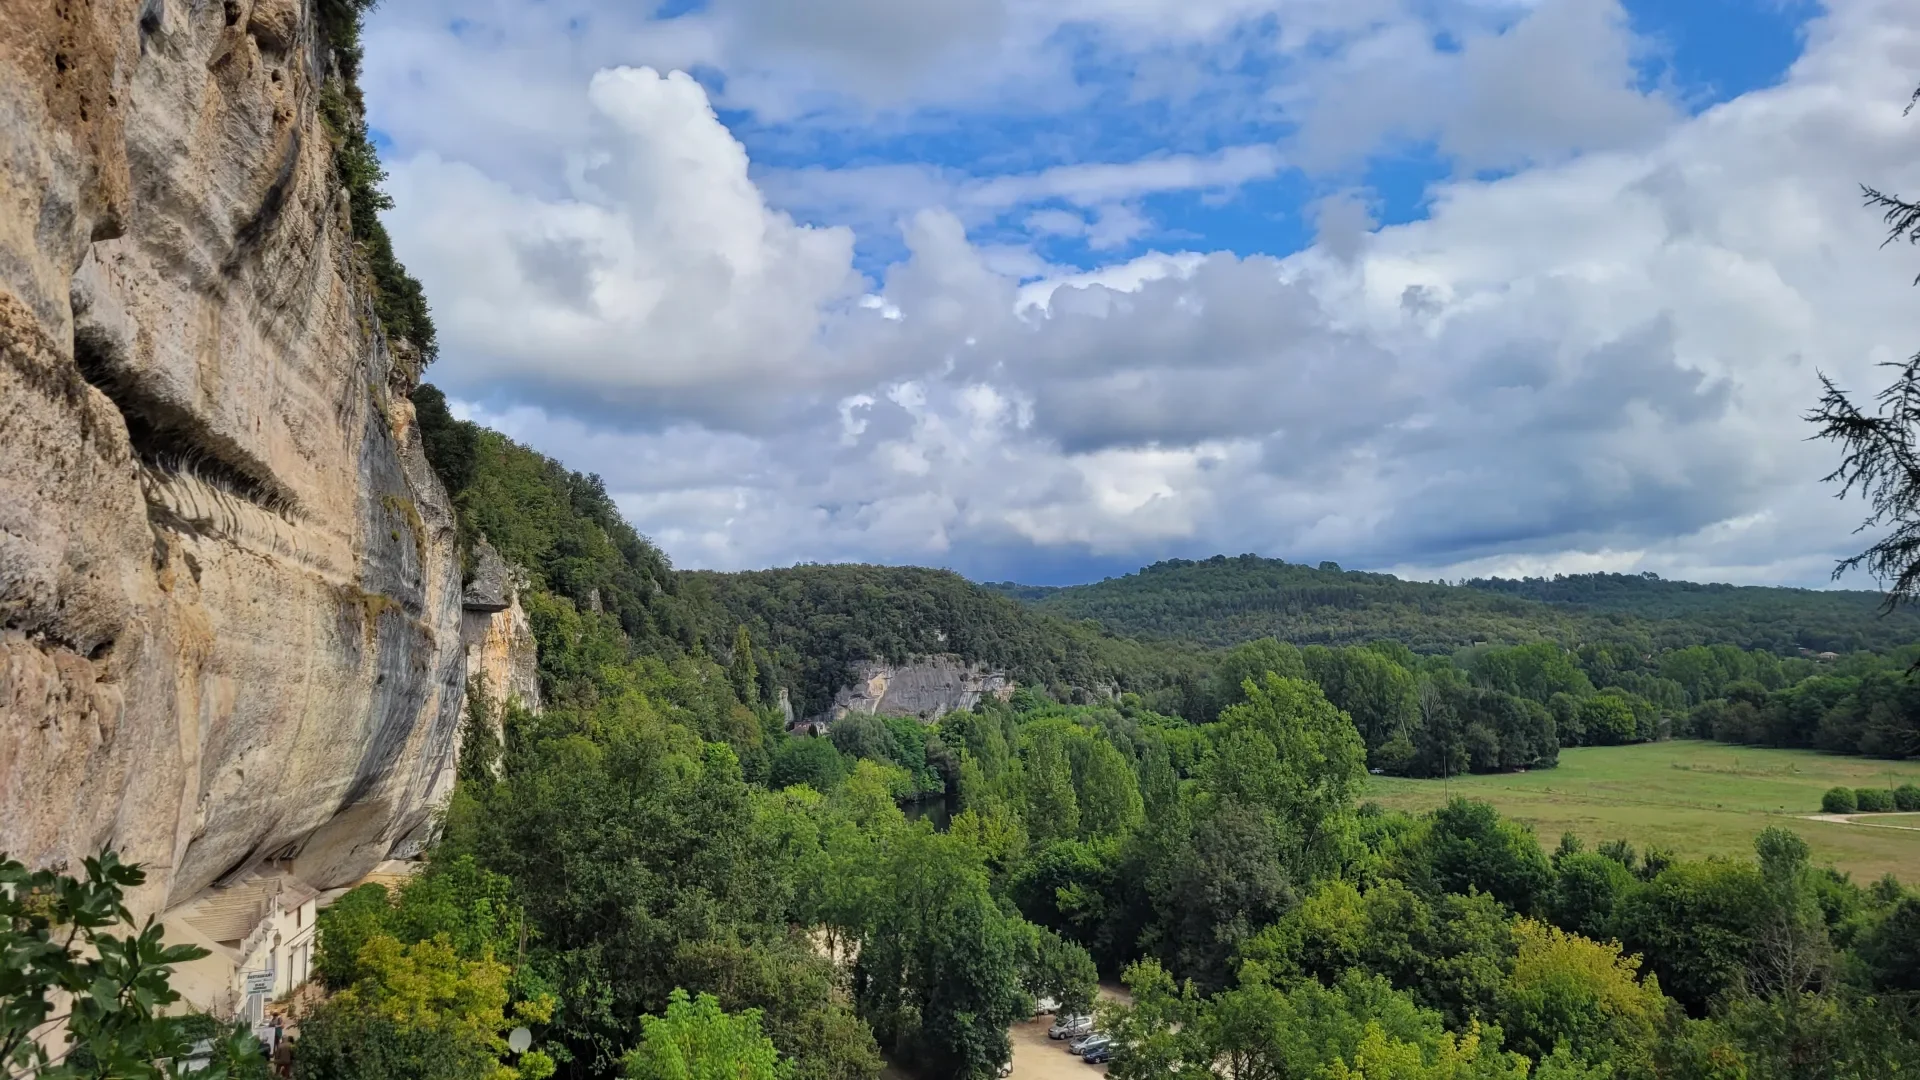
(1045, 1005)
(1079, 1046)
(1099, 1055)
(1006, 1068)
(1070, 1027)
(1094, 1045)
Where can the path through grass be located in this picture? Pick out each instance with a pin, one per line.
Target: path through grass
(1697, 798)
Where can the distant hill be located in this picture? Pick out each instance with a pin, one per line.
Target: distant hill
(1226, 600)
(816, 623)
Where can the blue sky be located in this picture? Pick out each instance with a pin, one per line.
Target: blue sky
(1049, 290)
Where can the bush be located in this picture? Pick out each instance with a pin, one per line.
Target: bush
(1873, 800)
(343, 1042)
(1838, 800)
(1906, 797)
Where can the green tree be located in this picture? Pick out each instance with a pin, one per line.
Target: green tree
(1587, 888)
(938, 972)
(695, 1040)
(1881, 461)
(1225, 882)
(1695, 924)
(810, 761)
(1358, 1029)
(1607, 719)
(1158, 1028)
(1873, 800)
(480, 745)
(1566, 989)
(1537, 671)
(1062, 970)
(1374, 690)
(1254, 660)
(742, 672)
(1791, 952)
(345, 926)
(452, 446)
(866, 737)
(1890, 949)
(1288, 751)
(56, 935)
(1468, 845)
(340, 1043)
(422, 1005)
(1108, 795)
(1052, 808)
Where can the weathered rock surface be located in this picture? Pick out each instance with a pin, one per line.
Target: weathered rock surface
(492, 586)
(927, 687)
(501, 651)
(230, 616)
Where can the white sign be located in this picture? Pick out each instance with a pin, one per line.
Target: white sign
(260, 982)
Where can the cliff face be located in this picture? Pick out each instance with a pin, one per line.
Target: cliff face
(927, 687)
(230, 615)
(501, 651)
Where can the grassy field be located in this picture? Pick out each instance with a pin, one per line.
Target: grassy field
(1696, 798)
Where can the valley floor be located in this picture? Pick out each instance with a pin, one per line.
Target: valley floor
(1695, 798)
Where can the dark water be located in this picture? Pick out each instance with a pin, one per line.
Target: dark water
(934, 809)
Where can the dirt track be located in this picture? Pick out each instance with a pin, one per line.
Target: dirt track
(1854, 819)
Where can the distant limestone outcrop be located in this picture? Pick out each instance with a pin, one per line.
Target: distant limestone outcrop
(928, 687)
(230, 607)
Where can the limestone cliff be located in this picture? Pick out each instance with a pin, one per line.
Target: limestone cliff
(501, 652)
(230, 614)
(927, 687)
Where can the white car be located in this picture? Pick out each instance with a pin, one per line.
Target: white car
(1006, 1068)
(1045, 1005)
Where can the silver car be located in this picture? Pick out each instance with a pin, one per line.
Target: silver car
(1070, 1027)
(1079, 1045)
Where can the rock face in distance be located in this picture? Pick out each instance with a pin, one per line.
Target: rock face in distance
(229, 608)
(927, 687)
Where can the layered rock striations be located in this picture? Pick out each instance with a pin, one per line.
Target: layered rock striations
(230, 612)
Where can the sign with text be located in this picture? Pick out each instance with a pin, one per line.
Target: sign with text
(260, 982)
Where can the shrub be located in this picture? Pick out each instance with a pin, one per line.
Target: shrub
(1906, 797)
(1838, 800)
(1873, 800)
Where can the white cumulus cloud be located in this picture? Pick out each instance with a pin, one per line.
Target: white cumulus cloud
(1599, 360)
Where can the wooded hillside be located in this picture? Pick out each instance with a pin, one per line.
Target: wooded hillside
(1227, 600)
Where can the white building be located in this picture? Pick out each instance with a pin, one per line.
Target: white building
(259, 932)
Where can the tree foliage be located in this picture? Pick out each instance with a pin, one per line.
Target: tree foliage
(696, 1040)
(59, 950)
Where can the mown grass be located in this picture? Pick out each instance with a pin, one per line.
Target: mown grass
(1695, 798)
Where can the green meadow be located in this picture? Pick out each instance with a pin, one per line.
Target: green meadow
(1695, 798)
